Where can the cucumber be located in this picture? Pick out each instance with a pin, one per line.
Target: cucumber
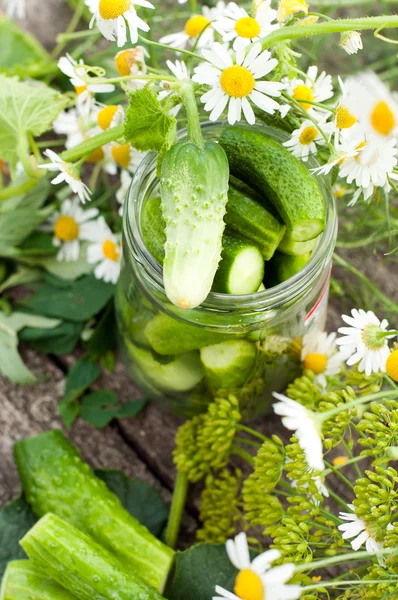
(228, 365)
(182, 374)
(194, 192)
(272, 170)
(289, 246)
(55, 479)
(80, 564)
(248, 218)
(283, 267)
(241, 269)
(167, 335)
(22, 580)
(153, 228)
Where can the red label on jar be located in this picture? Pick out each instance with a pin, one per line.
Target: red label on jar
(318, 304)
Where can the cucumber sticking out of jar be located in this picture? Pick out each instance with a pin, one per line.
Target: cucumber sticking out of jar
(81, 565)
(273, 171)
(22, 580)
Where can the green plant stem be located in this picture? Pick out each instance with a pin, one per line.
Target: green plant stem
(23, 153)
(17, 190)
(364, 400)
(247, 442)
(238, 451)
(339, 500)
(188, 98)
(352, 460)
(335, 26)
(340, 475)
(179, 50)
(74, 22)
(356, 582)
(77, 35)
(334, 560)
(252, 432)
(177, 509)
(110, 135)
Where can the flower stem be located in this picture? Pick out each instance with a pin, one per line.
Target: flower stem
(333, 560)
(194, 131)
(355, 582)
(17, 190)
(238, 451)
(177, 509)
(61, 40)
(335, 26)
(364, 400)
(252, 432)
(340, 475)
(165, 47)
(110, 135)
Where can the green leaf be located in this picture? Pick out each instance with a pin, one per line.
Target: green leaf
(60, 340)
(16, 518)
(39, 243)
(21, 276)
(80, 301)
(198, 570)
(104, 338)
(68, 271)
(139, 498)
(18, 224)
(80, 377)
(99, 408)
(148, 126)
(21, 54)
(25, 107)
(32, 200)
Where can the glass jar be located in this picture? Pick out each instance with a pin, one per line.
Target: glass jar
(184, 358)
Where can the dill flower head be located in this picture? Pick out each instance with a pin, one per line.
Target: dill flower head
(380, 426)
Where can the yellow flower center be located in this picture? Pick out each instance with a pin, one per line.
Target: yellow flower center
(80, 89)
(112, 9)
(247, 27)
(344, 119)
(110, 250)
(125, 59)
(392, 365)
(237, 81)
(121, 154)
(248, 585)
(287, 8)
(383, 119)
(303, 92)
(316, 578)
(308, 135)
(339, 460)
(105, 116)
(360, 147)
(66, 228)
(96, 156)
(339, 191)
(195, 25)
(316, 363)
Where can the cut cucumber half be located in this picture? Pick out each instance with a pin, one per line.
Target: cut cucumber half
(182, 374)
(241, 269)
(283, 267)
(289, 246)
(228, 365)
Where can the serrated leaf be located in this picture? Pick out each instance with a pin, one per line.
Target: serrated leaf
(16, 518)
(148, 126)
(138, 498)
(83, 374)
(24, 108)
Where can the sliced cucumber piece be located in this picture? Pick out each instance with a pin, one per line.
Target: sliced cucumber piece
(228, 365)
(241, 269)
(283, 267)
(22, 580)
(182, 374)
(289, 246)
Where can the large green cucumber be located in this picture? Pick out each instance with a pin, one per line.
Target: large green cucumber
(283, 267)
(169, 336)
(228, 365)
(181, 374)
(81, 565)
(194, 192)
(55, 479)
(241, 269)
(22, 580)
(273, 171)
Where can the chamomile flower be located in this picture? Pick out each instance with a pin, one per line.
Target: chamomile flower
(320, 355)
(346, 149)
(237, 26)
(85, 91)
(289, 8)
(15, 8)
(69, 226)
(125, 181)
(256, 579)
(346, 114)
(351, 42)
(303, 140)
(197, 25)
(356, 528)
(68, 173)
(179, 70)
(112, 16)
(132, 62)
(110, 116)
(105, 251)
(125, 156)
(303, 422)
(365, 341)
(234, 80)
(317, 87)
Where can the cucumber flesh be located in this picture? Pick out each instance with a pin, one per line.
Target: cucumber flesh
(241, 269)
(228, 365)
(283, 267)
(247, 218)
(289, 246)
(22, 580)
(274, 172)
(80, 564)
(182, 374)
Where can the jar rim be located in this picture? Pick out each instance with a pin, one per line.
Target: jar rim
(145, 176)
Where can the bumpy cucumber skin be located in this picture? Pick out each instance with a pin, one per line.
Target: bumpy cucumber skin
(153, 228)
(271, 170)
(22, 580)
(80, 564)
(194, 192)
(55, 479)
(232, 246)
(237, 372)
(254, 222)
